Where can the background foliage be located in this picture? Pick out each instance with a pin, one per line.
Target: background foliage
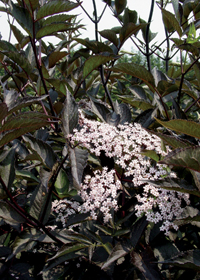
(42, 88)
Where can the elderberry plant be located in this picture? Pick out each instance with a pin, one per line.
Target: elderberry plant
(99, 150)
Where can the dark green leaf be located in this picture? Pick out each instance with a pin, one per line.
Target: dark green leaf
(187, 259)
(129, 16)
(113, 118)
(6, 46)
(55, 7)
(59, 85)
(93, 235)
(55, 57)
(128, 30)
(20, 59)
(120, 250)
(177, 111)
(20, 148)
(196, 177)
(25, 102)
(10, 216)
(137, 71)
(165, 251)
(45, 175)
(67, 249)
(94, 62)
(189, 48)
(188, 6)
(121, 232)
(96, 47)
(185, 157)
(137, 230)
(138, 103)
(124, 112)
(7, 167)
(78, 159)
(150, 154)
(171, 22)
(73, 236)
(32, 4)
(62, 184)
(77, 219)
(3, 111)
(65, 257)
(51, 29)
(173, 141)
(175, 185)
(58, 19)
(23, 242)
(175, 4)
(110, 35)
(120, 5)
(190, 215)
(158, 76)
(23, 17)
(18, 34)
(43, 150)
(105, 229)
(69, 114)
(38, 201)
(196, 67)
(146, 118)
(145, 262)
(27, 175)
(183, 126)
(21, 124)
(99, 109)
(138, 92)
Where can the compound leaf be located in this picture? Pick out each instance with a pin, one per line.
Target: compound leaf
(55, 7)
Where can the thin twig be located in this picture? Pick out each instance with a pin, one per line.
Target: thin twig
(54, 177)
(101, 69)
(182, 78)
(167, 54)
(147, 36)
(187, 109)
(96, 20)
(41, 74)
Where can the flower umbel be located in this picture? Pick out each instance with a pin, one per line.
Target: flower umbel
(126, 143)
(99, 193)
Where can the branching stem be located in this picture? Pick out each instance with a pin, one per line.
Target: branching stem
(29, 219)
(54, 177)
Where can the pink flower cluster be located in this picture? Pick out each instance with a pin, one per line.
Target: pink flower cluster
(99, 193)
(168, 203)
(63, 209)
(125, 143)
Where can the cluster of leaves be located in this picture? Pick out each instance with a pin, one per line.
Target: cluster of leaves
(42, 88)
